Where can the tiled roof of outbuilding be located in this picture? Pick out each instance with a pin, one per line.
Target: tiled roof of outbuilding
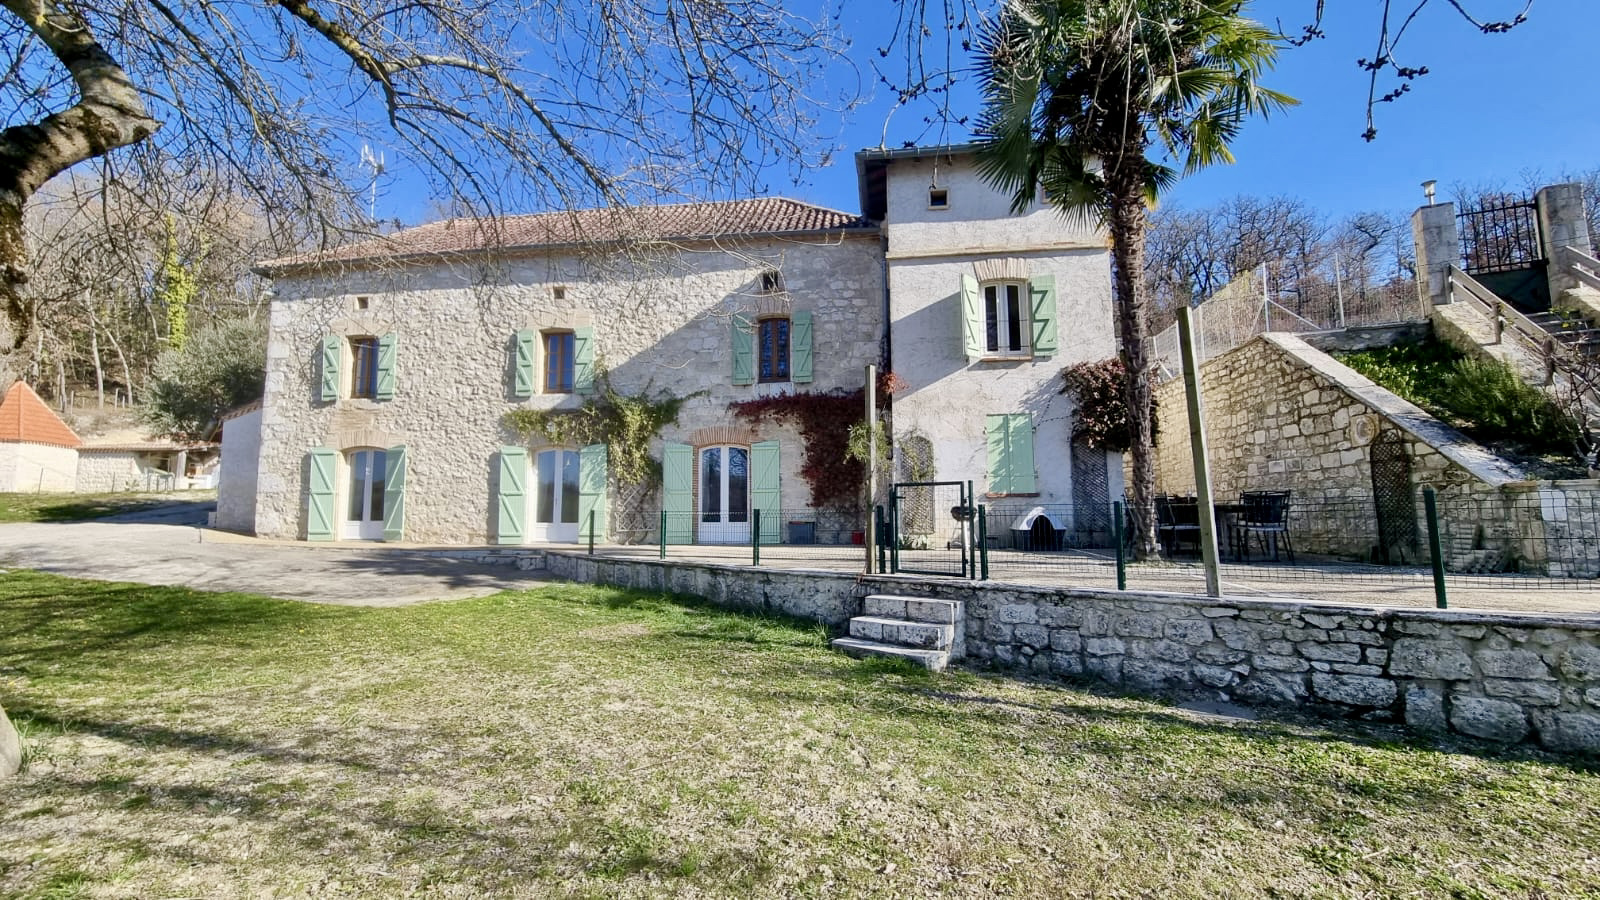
(25, 419)
(679, 221)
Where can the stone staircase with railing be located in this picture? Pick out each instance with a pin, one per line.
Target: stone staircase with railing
(920, 630)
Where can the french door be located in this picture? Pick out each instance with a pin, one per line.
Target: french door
(363, 519)
(555, 496)
(724, 495)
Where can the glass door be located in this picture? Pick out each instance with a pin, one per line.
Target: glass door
(363, 520)
(724, 495)
(555, 496)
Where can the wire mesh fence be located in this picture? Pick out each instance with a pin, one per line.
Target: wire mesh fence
(1246, 308)
(1537, 548)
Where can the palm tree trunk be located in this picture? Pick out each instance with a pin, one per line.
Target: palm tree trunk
(1127, 225)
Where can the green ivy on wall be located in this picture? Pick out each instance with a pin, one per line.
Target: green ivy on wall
(625, 424)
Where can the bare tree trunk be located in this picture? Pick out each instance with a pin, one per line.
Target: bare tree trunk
(127, 374)
(94, 356)
(109, 114)
(1127, 225)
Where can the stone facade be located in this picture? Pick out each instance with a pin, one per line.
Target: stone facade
(1498, 677)
(660, 325)
(660, 316)
(950, 393)
(1281, 415)
(108, 471)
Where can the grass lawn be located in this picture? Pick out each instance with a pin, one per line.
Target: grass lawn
(577, 741)
(79, 507)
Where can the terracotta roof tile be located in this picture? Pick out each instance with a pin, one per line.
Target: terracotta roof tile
(25, 419)
(681, 221)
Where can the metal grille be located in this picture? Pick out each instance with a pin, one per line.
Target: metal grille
(945, 547)
(1395, 502)
(1501, 238)
(1091, 496)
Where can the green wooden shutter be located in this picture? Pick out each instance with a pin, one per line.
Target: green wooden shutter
(332, 353)
(1043, 313)
(677, 492)
(522, 380)
(800, 357)
(744, 363)
(385, 390)
(972, 332)
(583, 360)
(764, 493)
(320, 496)
(592, 462)
(997, 437)
(395, 469)
(1019, 445)
(512, 496)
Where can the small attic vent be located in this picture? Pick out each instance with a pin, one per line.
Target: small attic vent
(771, 282)
(938, 198)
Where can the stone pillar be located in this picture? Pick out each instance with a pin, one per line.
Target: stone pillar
(1561, 224)
(10, 747)
(1433, 228)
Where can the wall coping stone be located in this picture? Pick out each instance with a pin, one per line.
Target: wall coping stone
(1403, 414)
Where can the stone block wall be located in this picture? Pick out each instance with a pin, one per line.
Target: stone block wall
(108, 471)
(1281, 415)
(1500, 677)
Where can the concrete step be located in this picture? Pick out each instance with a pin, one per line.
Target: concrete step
(911, 609)
(932, 660)
(921, 635)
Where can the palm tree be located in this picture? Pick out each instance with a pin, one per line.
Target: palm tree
(1077, 97)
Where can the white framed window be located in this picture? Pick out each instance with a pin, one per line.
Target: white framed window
(1005, 319)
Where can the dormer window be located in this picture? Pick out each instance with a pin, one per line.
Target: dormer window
(938, 198)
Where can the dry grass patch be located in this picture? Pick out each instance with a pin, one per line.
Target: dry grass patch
(575, 741)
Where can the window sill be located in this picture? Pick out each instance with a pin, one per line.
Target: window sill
(1020, 357)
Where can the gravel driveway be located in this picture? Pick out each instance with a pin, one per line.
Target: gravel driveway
(168, 546)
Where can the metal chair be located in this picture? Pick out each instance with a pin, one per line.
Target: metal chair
(1266, 515)
(1177, 519)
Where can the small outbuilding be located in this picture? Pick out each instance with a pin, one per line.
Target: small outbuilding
(38, 451)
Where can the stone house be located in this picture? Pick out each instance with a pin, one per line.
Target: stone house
(392, 363)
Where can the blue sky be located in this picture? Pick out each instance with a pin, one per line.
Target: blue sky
(1492, 108)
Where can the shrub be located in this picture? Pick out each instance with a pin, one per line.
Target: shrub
(1102, 418)
(221, 366)
(1500, 406)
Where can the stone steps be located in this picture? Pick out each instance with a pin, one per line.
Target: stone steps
(924, 631)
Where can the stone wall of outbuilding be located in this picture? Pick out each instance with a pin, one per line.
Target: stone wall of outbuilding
(1502, 677)
(37, 467)
(1282, 415)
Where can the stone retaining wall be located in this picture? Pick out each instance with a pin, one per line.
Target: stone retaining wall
(1498, 676)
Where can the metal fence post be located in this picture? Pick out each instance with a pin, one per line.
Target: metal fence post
(663, 534)
(983, 543)
(1116, 538)
(894, 531)
(591, 532)
(881, 527)
(1430, 507)
(755, 536)
(969, 554)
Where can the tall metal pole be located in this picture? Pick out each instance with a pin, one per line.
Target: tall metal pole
(1266, 301)
(1197, 449)
(872, 460)
(1338, 284)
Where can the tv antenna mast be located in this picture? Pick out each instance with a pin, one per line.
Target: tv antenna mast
(373, 161)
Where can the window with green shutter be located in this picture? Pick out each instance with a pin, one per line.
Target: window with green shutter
(1009, 441)
(1042, 293)
(677, 492)
(764, 488)
(511, 496)
(593, 463)
(321, 503)
(583, 360)
(332, 355)
(395, 471)
(386, 361)
(742, 337)
(522, 363)
(971, 319)
(802, 361)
